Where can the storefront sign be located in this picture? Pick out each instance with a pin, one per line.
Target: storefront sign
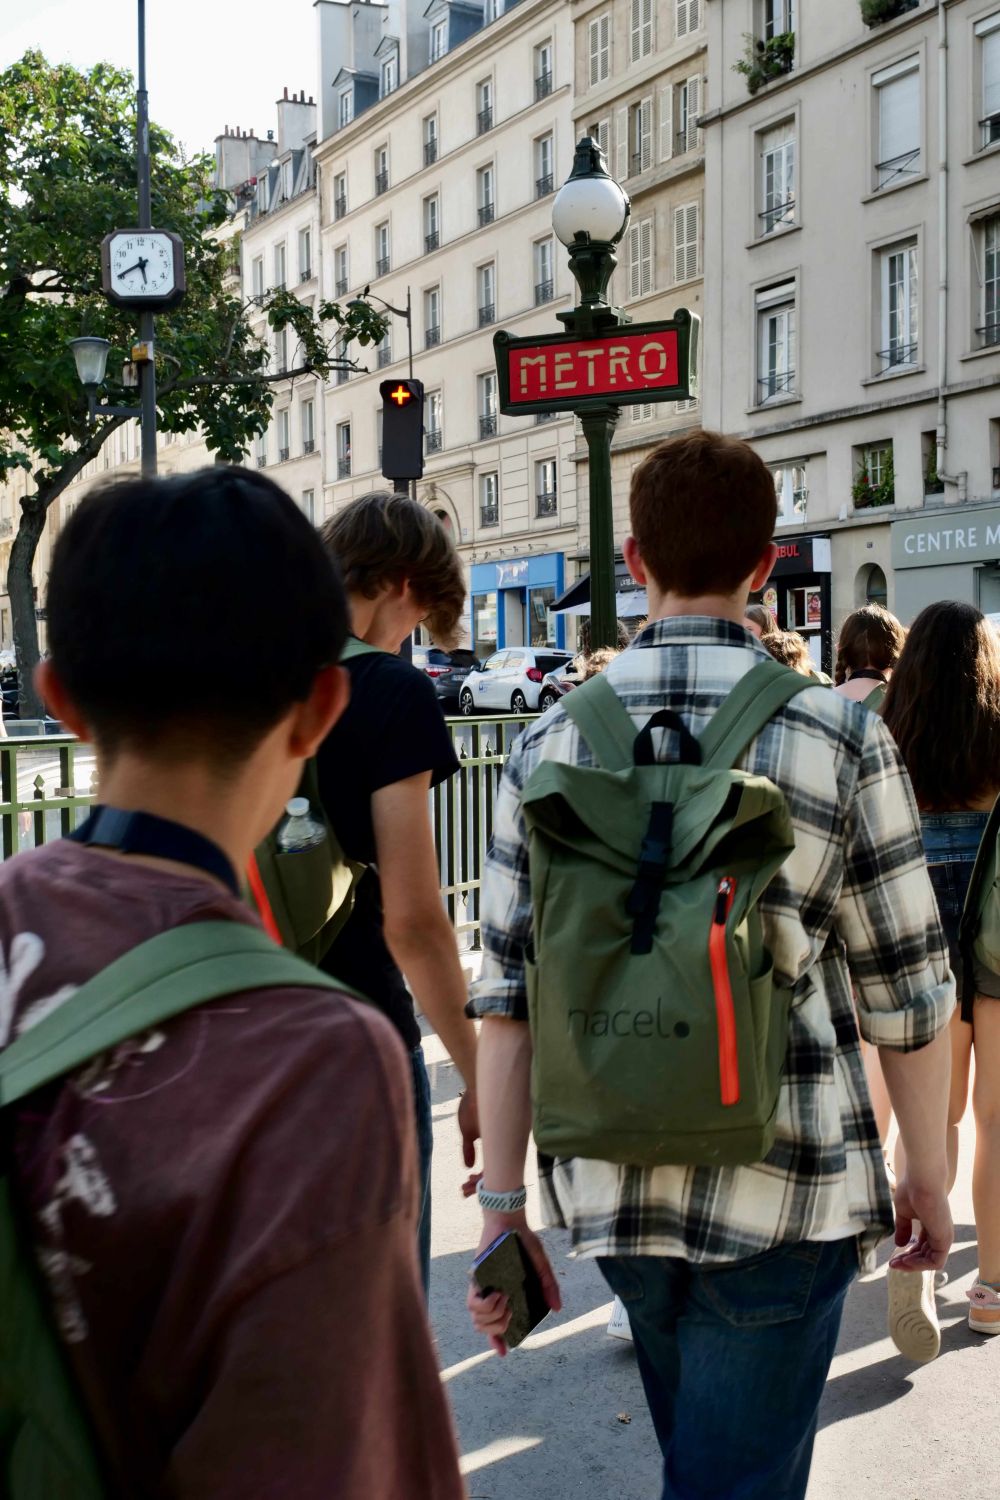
(947, 536)
(512, 575)
(639, 362)
(806, 554)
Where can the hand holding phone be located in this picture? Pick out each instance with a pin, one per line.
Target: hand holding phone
(504, 1266)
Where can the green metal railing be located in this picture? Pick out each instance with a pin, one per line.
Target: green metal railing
(48, 781)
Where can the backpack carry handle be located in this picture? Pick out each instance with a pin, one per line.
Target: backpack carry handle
(690, 751)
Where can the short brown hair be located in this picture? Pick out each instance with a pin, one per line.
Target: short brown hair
(384, 538)
(791, 649)
(943, 707)
(703, 510)
(870, 637)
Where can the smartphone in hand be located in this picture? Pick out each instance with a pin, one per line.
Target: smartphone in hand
(505, 1267)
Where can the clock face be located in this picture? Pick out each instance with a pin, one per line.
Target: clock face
(142, 264)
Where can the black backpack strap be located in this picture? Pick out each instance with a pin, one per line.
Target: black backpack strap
(604, 721)
(754, 700)
(968, 926)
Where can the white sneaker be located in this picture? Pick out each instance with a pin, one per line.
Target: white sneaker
(618, 1324)
(913, 1321)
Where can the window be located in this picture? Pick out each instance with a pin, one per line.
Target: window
(989, 333)
(343, 450)
(305, 254)
(432, 317)
(544, 271)
(260, 450)
(484, 195)
(284, 436)
(900, 307)
(484, 106)
(309, 505)
(430, 140)
(280, 350)
(874, 476)
(486, 284)
(340, 271)
(432, 223)
(777, 177)
(345, 107)
(491, 10)
(897, 121)
(687, 260)
(988, 37)
(546, 496)
(687, 17)
(433, 439)
(686, 111)
(776, 351)
(286, 179)
(262, 193)
(381, 170)
(439, 40)
(257, 276)
(489, 500)
(308, 427)
(389, 74)
(640, 258)
(383, 349)
(340, 195)
(641, 136)
(543, 166)
(487, 404)
(640, 28)
(599, 43)
(543, 70)
(778, 18)
(790, 492)
(381, 249)
(279, 265)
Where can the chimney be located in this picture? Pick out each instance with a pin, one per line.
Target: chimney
(285, 95)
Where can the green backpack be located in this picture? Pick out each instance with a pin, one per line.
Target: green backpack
(658, 1032)
(979, 929)
(48, 1450)
(305, 898)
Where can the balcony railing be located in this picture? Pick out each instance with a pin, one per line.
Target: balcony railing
(340, 287)
(641, 161)
(262, 460)
(989, 334)
(897, 355)
(543, 185)
(487, 213)
(488, 425)
(547, 503)
(343, 376)
(383, 357)
(484, 120)
(381, 183)
(543, 85)
(430, 152)
(778, 213)
(489, 515)
(308, 445)
(306, 273)
(775, 383)
(339, 207)
(990, 128)
(283, 455)
(487, 314)
(432, 440)
(544, 291)
(382, 266)
(896, 169)
(431, 241)
(432, 336)
(344, 468)
(545, 416)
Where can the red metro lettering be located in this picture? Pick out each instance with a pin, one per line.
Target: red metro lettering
(602, 367)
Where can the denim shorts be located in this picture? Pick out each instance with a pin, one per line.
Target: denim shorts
(951, 841)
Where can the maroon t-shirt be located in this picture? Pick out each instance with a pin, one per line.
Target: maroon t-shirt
(225, 1209)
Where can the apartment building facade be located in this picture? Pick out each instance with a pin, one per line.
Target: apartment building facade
(853, 269)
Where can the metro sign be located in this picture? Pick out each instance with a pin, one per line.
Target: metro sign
(638, 362)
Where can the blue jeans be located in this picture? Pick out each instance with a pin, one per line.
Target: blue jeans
(425, 1146)
(733, 1360)
(951, 841)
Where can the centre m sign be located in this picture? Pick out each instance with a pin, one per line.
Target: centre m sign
(638, 362)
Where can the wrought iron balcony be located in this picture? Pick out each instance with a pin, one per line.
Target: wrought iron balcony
(383, 357)
(897, 355)
(382, 266)
(344, 468)
(487, 213)
(543, 185)
(896, 169)
(381, 183)
(543, 85)
(340, 287)
(778, 213)
(484, 120)
(432, 336)
(308, 445)
(282, 455)
(545, 416)
(775, 383)
(431, 241)
(488, 425)
(262, 460)
(641, 161)
(487, 314)
(489, 515)
(340, 207)
(432, 440)
(547, 503)
(306, 273)
(430, 152)
(989, 334)
(544, 292)
(990, 128)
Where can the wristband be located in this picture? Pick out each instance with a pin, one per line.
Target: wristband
(502, 1203)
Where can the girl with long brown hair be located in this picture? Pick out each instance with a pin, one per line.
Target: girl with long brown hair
(943, 710)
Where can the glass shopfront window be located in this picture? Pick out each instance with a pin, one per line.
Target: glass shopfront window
(484, 624)
(541, 620)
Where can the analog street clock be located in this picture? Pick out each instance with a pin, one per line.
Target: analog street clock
(143, 267)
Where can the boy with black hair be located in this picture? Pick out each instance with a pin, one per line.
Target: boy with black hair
(225, 1207)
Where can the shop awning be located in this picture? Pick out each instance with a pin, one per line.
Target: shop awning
(631, 604)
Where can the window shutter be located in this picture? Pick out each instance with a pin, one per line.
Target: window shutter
(694, 110)
(605, 24)
(633, 261)
(686, 242)
(621, 144)
(635, 29)
(646, 256)
(683, 17)
(594, 34)
(645, 133)
(666, 123)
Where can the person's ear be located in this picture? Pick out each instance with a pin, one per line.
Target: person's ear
(762, 572)
(633, 560)
(50, 689)
(315, 717)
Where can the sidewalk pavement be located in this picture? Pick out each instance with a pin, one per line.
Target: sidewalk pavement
(564, 1416)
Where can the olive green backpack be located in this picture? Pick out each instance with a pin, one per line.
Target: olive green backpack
(979, 929)
(48, 1449)
(658, 1031)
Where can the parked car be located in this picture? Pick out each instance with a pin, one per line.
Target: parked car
(446, 669)
(556, 685)
(510, 680)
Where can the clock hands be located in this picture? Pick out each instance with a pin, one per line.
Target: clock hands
(140, 265)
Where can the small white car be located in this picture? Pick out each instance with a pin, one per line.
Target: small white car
(510, 680)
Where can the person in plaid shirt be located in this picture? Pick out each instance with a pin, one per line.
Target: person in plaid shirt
(734, 1278)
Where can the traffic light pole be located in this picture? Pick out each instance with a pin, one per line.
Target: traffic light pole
(147, 367)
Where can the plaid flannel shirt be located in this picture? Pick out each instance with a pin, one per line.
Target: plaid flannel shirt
(852, 903)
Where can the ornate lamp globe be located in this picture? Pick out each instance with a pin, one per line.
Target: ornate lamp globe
(590, 206)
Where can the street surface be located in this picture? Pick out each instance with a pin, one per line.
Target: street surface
(546, 1421)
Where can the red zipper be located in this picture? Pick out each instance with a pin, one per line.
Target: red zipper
(725, 1010)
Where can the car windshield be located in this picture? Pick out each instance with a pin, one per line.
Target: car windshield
(551, 662)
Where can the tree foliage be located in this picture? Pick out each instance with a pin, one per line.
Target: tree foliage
(67, 177)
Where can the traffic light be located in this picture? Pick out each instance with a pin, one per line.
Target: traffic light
(402, 429)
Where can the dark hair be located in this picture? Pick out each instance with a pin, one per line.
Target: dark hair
(790, 649)
(870, 637)
(703, 510)
(763, 619)
(943, 706)
(186, 615)
(385, 538)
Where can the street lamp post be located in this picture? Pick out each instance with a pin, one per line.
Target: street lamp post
(406, 313)
(589, 216)
(147, 367)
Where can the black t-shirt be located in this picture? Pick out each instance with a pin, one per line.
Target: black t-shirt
(393, 728)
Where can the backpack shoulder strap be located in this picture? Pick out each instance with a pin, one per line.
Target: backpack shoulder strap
(604, 721)
(160, 978)
(875, 699)
(355, 647)
(968, 926)
(754, 700)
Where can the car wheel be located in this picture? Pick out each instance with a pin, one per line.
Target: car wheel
(519, 704)
(467, 704)
(546, 700)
